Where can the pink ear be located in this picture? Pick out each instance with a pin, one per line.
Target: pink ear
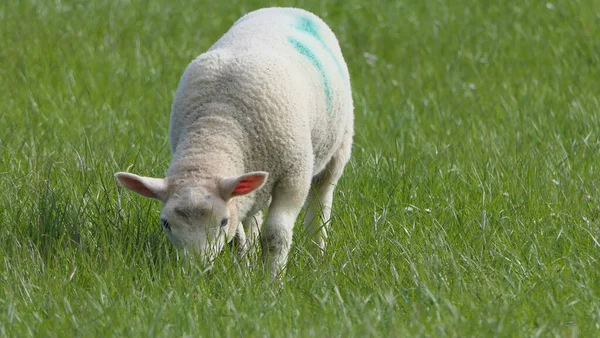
(248, 185)
(145, 186)
(242, 185)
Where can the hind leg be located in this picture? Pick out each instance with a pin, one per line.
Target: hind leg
(320, 199)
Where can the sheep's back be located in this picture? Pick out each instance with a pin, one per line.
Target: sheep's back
(284, 72)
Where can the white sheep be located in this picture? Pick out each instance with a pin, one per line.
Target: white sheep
(263, 114)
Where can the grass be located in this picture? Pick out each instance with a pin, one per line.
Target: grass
(470, 208)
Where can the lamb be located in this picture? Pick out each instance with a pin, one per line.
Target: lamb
(263, 119)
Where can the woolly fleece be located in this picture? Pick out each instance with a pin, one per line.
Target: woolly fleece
(272, 96)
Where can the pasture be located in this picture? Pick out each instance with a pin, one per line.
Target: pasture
(470, 208)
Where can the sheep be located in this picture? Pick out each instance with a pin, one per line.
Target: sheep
(263, 119)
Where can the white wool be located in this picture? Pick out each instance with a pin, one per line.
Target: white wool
(271, 95)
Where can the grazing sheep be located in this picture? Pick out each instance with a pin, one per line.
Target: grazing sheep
(263, 114)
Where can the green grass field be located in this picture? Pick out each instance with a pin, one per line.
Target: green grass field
(470, 208)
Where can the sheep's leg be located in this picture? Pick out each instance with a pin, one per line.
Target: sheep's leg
(318, 213)
(241, 240)
(251, 229)
(320, 199)
(276, 236)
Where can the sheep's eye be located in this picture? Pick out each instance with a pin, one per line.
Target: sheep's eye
(166, 224)
(183, 213)
(224, 222)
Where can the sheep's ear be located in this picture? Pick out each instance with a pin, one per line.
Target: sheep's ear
(145, 186)
(242, 185)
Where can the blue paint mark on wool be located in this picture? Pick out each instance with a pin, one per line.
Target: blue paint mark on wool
(309, 27)
(304, 50)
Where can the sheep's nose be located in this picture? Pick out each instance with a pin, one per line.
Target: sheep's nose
(166, 224)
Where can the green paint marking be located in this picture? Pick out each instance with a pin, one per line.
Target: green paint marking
(308, 26)
(304, 50)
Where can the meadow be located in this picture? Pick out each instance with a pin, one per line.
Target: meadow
(470, 208)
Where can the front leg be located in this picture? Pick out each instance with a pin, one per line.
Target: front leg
(241, 241)
(252, 229)
(276, 236)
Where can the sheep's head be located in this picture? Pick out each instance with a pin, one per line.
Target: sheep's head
(198, 214)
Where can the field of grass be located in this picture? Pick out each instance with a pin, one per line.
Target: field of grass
(471, 206)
